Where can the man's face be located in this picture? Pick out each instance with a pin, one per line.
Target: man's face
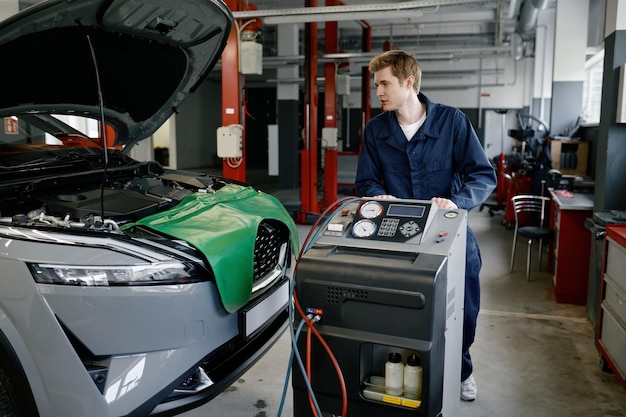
(391, 92)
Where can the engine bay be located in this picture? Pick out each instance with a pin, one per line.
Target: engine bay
(127, 196)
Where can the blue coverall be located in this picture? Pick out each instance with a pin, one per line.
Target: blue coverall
(443, 159)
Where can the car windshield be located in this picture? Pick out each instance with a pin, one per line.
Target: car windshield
(37, 129)
(30, 138)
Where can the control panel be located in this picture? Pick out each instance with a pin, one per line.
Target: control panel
(389, 220)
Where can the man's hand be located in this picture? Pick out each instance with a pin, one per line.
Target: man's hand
(384, 196)
(444, 203)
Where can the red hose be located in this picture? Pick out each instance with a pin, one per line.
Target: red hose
(308, 370)
(313, 330)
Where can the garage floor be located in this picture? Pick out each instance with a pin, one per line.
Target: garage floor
(532, 356)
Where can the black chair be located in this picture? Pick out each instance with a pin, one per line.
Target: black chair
(530, 221)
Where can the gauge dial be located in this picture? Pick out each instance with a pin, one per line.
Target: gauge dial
(370, 209)
(363, 228)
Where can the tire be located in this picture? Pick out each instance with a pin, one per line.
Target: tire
(8, 400)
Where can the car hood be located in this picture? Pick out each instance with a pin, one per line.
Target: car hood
(130, 61)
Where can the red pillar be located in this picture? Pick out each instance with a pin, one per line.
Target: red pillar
(366, 105)
(309, 154)
(233, 105)
(330, 110)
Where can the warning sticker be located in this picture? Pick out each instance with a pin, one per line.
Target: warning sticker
(10, 126)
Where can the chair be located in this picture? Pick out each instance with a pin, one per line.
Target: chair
(530, 221)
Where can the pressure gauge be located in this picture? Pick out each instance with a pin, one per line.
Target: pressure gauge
(364, 228)
(370, 209)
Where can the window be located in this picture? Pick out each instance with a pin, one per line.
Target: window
(592, 88)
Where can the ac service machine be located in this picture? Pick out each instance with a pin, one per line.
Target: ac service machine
(384, 279)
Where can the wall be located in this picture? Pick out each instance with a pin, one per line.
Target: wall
(569, 65)
(196, 127)
(8, 8)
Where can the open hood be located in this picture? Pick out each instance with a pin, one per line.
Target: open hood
(131, 61)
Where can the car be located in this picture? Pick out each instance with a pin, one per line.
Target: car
(126, 288)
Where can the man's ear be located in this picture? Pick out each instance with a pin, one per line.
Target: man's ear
(410, 81)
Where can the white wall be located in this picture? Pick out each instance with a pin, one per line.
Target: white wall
(8, 8)
(570, 41)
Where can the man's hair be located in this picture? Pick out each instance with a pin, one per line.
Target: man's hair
(402, 66)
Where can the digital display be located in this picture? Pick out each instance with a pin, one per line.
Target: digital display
(405, 210)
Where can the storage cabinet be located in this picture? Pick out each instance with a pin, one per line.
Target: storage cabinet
(570, 249)
(611, 339)
(570, 156)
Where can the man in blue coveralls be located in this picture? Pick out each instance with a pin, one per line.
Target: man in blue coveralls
(417, 149)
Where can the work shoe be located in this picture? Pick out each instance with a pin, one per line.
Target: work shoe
(468, 389)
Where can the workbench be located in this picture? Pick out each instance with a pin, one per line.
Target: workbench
(571, 247)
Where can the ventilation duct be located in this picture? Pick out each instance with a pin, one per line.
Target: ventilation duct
(529, 13)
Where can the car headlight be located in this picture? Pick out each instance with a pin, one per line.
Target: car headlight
(92, 276)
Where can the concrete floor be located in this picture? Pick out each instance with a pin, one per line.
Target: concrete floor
(532, 356)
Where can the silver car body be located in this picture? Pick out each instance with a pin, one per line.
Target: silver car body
(79, 336)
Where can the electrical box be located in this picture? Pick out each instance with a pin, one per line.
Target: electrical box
(329, 137)
(343, 84)
(230, 141)
(251, 57)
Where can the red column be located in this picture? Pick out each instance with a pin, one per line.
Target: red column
(233, 105)
(309, 154)
(330, 110)
(366, 105)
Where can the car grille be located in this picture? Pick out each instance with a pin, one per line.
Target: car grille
(269, 251)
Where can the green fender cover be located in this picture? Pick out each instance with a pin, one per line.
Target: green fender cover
(223, 226)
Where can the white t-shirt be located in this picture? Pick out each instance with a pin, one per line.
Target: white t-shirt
(411, 130)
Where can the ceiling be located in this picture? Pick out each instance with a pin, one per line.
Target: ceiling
(445, 31)
(430, 29)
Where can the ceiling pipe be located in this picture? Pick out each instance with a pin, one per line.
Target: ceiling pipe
(345, 12)
(512, 9)
(421, 53)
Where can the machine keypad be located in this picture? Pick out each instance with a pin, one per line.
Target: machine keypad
(388, 227)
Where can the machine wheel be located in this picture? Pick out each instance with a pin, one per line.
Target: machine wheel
(8, 400)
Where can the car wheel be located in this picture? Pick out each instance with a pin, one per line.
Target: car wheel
(8, 401)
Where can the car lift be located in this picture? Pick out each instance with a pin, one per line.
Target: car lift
(234, 109)
(309, 154)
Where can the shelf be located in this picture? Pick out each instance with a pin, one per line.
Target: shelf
(569, 156)
(375, 390)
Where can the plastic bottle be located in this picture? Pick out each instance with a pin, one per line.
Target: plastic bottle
(394, 374)
(413, 378)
